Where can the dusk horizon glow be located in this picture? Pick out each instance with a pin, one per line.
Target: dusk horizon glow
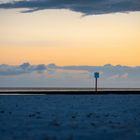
(65, 38)
(71, 33)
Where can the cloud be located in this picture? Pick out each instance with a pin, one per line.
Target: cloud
(27, 75)
(125, 75)
(51, 66)
(109, 71)
(86, 7)
(6, 70)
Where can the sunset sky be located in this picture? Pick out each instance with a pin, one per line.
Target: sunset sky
(68, 37)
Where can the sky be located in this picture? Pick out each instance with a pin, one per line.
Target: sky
(70, 33)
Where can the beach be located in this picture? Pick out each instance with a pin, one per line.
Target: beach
(70, 117)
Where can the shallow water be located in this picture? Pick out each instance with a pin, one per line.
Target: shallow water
(82, 117)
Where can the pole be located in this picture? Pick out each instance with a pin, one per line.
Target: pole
(96, 85)
(96, 75)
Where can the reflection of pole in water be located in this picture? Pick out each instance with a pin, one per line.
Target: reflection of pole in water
(96, 75)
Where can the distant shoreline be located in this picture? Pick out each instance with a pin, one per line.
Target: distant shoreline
(77, 91)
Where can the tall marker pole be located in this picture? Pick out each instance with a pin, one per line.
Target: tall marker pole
(96, 84)
(96, 75)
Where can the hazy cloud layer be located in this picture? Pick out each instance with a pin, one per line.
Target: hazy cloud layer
(87, 7)
(27, 75)
(21, 69)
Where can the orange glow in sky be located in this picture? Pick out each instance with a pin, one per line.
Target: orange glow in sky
(66, 38)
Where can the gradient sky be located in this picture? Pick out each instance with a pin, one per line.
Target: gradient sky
(66, 37)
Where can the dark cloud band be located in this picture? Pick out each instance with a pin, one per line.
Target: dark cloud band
(87, 7)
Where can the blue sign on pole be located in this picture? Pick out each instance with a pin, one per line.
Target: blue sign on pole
(96, 74)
